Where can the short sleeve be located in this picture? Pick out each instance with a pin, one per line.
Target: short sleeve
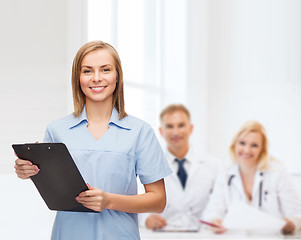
(47, 137)
(151, 163)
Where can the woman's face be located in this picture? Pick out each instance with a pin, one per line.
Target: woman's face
(98, 76)
(248, 148)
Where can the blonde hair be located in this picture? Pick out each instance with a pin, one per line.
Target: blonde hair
(252, 126)
(79, 98)
(174, 108)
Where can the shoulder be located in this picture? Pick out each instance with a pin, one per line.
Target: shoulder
(139, 130)
(226, 173)
(206, 157)
(213, 163)
(201, 156)
(210, 162)
(64, 122)
(276, 168)
(59, 128)
(135, 123)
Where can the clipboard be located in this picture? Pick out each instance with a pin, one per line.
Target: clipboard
(59, 181)
(168, 228)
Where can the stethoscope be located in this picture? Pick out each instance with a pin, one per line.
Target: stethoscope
(260, 188)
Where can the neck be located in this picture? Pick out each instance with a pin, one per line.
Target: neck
(247, 170)
(98, 112)
(179, 152)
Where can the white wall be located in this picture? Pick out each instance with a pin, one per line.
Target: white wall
(33, 71)
(38, 41)
(197, 32)
(254, 73)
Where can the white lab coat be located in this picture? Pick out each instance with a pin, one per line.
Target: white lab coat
(277, 194)
(185, 206)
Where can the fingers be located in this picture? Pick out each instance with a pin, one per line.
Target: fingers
(220, 229)
(25, 169)
(21, 162)
(289, 227)
(89, 199)
(155, 221)
(91, 193)
(93, 207)
(161, 223)
(94, 199)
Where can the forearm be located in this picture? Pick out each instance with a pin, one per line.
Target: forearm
(152, 202)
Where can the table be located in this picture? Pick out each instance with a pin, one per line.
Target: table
(204, 234)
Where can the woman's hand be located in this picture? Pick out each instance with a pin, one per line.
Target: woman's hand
(25, 169)
(220, 229)
(153, 200)
(94, 198)
(289, 227)
(155, 221)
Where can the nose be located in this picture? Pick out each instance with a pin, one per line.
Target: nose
(176, 131)
(97, 77)
(247, 149)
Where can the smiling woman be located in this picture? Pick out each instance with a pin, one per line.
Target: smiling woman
(256, 179)
(110, 149)
(98, 76)
(250, 146)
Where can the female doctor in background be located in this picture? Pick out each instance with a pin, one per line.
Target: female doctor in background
(256, 179)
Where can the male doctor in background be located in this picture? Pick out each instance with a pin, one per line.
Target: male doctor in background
(191, 183)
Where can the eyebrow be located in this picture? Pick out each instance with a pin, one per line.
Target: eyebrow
(100, 66)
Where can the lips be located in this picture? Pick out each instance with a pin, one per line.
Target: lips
(97, 88)
(176, 139)
(245, 156)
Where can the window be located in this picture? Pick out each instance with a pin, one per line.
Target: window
(135, 29)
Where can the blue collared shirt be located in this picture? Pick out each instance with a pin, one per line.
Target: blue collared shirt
(111, 163)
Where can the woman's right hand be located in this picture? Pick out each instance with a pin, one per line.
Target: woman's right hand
(25, 169)
(289, 227)
(220, 229)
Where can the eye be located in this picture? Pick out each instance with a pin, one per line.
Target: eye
(182, 125)
(254, 145)
(86, 70)
(106, 70)
(242, 143)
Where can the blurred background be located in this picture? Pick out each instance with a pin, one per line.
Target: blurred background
(228, 61)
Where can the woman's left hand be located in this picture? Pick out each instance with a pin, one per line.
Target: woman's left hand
(289, 227)
(94, 198)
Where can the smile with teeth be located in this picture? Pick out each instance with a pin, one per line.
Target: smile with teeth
(246, 155)
(97, 88)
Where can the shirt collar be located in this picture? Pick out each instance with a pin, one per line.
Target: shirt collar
(172, 158)
(234, 170)
(77, 120)
(191, 156)
(123, 123)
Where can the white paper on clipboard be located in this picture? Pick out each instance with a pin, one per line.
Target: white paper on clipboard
(243, 217)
